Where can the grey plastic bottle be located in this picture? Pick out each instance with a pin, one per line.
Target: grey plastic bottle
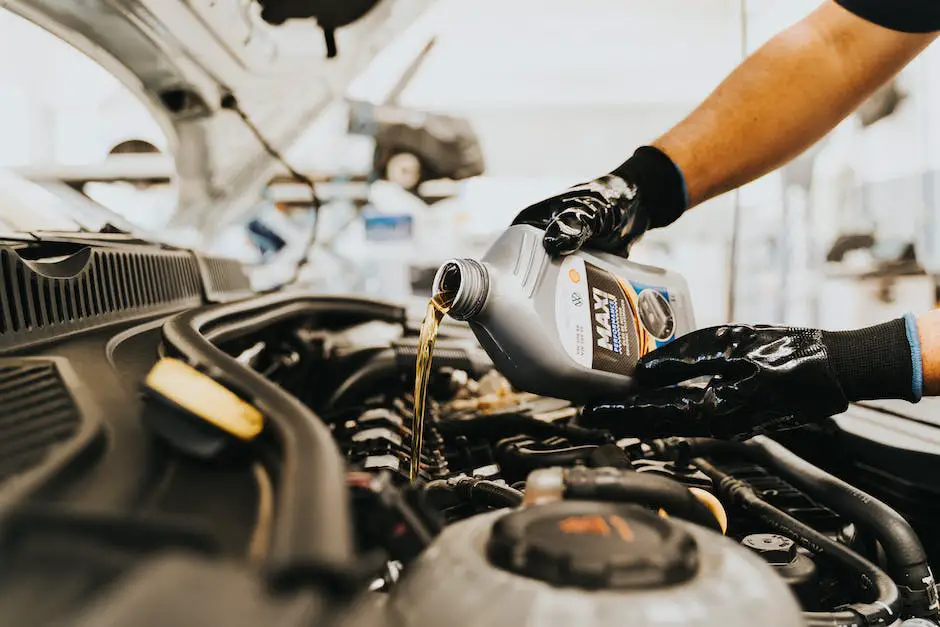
(572, 327)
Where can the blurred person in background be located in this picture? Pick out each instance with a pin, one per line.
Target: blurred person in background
(778, 102)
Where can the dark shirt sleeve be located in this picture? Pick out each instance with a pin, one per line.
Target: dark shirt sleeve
(909, 16)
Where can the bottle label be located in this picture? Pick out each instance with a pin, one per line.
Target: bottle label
(606, 322)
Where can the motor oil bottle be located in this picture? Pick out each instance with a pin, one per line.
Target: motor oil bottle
(571, 327)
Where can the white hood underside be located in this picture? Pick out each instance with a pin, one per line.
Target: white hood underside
(182, 56)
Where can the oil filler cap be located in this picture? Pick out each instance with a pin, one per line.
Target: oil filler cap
(194, 413)
(593, 545)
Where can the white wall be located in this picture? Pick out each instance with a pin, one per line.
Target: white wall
(576, 141)
(56, 105)
(559, 87)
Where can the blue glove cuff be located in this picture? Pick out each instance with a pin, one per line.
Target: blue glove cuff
(685, 187)
(917, 364)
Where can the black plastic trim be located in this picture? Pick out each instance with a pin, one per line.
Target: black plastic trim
(61, 457)
(42, 301)
(223, 280)
(312, 531)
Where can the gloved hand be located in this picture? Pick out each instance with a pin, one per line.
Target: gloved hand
(763, 378)
(611, 212)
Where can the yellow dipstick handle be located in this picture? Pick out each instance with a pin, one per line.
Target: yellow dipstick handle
(712, 503)
(204, 398)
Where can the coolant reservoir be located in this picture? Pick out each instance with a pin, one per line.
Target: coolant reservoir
(572, 327)
(586, 564)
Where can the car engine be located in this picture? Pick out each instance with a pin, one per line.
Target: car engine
(179, 451)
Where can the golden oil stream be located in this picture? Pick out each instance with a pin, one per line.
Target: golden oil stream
(438, 307)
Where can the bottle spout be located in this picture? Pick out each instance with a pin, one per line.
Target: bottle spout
(464, 284)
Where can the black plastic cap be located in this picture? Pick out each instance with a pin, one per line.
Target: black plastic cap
(773, 548)
(175, 426)
(594, 545)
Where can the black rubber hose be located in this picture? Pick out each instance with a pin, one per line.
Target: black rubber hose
(473, 361)
(907, 560)
(311, 536)
(610, 456)
(637, 487)
(479, 492)
(383, 365)
(490, 493)
(391, 363)
(885, 606)
(682, 450)
(522, 459)
(503, 425)
(250, 316)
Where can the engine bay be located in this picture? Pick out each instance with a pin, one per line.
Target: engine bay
(177, 453)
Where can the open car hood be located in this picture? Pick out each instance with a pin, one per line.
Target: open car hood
(185, 58)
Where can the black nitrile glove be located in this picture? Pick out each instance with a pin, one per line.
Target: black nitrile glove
(611, 212)
(763, 378)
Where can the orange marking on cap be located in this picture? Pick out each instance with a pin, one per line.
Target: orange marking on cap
(585, 525)
(622, 527)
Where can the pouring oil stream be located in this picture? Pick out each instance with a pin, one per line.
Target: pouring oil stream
(438, 307)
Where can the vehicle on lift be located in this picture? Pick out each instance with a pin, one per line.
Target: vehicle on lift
(413, 147)
(178, 450)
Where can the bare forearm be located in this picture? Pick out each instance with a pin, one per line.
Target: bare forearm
(785, 97)
(928, 328)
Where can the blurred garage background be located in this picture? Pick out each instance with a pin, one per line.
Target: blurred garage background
(503, 103)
